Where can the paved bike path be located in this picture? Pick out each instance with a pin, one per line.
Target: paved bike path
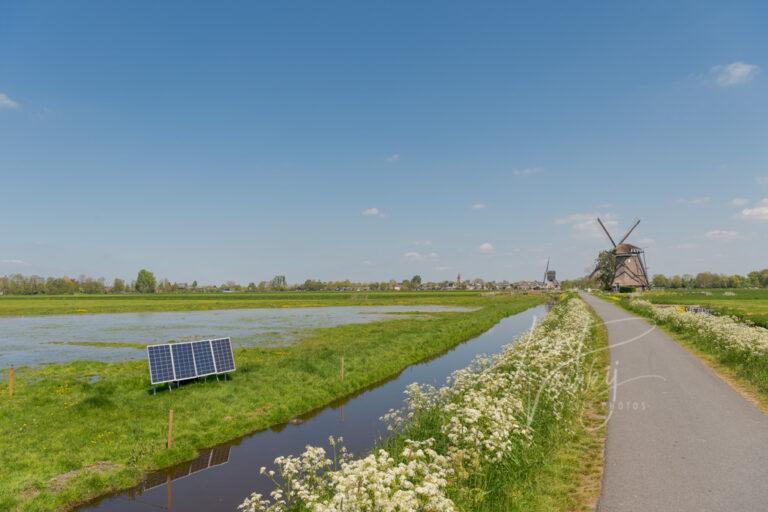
(679, 438)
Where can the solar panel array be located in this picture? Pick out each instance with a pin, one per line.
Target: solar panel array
(182, 361)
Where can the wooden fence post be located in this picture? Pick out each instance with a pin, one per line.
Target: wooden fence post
(169, 443)
(168, 493)
(10, 382)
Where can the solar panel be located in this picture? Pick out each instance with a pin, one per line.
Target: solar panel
(154, 480)
(222, 355)
(220, 455)
(160, 364)
(201, 462)
(203, 358)
(183, 361)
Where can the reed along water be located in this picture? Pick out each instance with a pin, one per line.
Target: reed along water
(223, 476)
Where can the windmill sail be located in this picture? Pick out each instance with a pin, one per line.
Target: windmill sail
(605, 230)
(629, 231)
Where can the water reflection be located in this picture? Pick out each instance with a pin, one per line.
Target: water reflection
(207, 459)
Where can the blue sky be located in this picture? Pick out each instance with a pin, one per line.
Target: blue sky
(380, 140)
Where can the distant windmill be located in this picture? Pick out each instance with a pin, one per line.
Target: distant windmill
(630, 261)
(550, 278)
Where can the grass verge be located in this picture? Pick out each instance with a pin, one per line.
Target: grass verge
(66, 437)
(569, 478)
(748, 374)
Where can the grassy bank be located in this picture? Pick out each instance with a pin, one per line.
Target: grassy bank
(750, 305)
(566, 474)
(37, 305)
(520, 431)
(561, 469)
(739, 351)
(74, 431)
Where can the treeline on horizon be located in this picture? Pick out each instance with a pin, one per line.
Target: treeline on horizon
(754, 279)
(145, 282)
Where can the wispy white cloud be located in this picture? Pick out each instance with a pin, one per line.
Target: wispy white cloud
(393, 158)
(419, 256)
(442, 268)
(738, 201)
(646, 242)
(528, 171)
(758, 212)
(7, 102)
(479, 206)
(422, 243)
(693, 201)
(373, 212)
(14, 262)
(684, 246)
(584, 225)
(735, 73)
(721, 234)
(486, 248)
(761, 180)
(367, 263)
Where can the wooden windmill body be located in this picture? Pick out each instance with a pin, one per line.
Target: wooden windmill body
(550, 281)
(630, 262)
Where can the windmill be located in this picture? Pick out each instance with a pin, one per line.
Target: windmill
(550, 278)
(630, 261)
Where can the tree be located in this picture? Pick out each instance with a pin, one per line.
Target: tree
(415, 282)
(194, 284)
(91, 286)
(660, 281)
(61, 286)
(118, 285)
(145, 281)
(580, 283)
(606, 264)
(279, 283)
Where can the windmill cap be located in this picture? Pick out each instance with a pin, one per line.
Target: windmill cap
(627, 248)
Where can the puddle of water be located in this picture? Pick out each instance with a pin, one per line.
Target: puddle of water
(28, 341)
(201, 485)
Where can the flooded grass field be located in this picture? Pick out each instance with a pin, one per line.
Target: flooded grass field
(29, 341)
(44, 305)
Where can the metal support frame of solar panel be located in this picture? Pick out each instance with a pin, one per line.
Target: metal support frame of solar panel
(174, 362)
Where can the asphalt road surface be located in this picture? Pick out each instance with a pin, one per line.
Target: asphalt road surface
(679, 438)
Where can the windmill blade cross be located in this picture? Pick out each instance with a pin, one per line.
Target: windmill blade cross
(606, 231)
(630, 231)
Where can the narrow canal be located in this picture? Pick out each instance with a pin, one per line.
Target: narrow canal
(221, 477)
